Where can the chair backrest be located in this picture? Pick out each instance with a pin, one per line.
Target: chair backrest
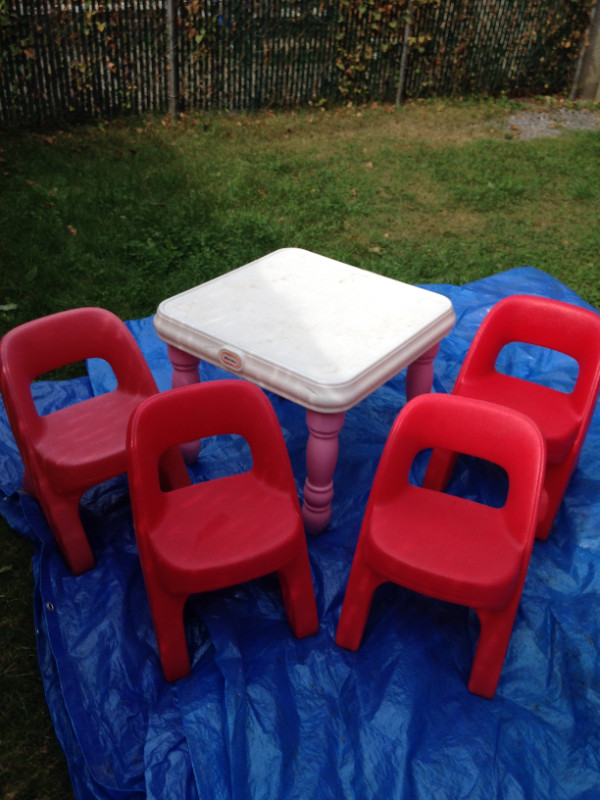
(42, 345)
(545, 322)
(198, 411)
(475, 428)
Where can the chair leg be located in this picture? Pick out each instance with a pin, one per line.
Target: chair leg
(357, 604)
(298, 594)
(555, 485)
(62, 514)
(167, 617)
(172, 469)
(494, 636)
(439, 469)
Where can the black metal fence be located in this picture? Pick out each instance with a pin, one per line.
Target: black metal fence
(79, 59)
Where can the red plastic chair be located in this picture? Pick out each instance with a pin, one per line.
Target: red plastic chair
(67, 452)
(563, 418)
(220, 532)
(449, 547)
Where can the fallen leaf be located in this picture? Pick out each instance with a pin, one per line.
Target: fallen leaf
(72, 230)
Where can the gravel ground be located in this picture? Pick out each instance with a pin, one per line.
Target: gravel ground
(536, 124)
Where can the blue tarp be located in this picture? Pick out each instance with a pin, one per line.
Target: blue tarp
(263, 715)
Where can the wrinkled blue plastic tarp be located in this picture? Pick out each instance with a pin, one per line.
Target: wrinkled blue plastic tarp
(263, 715)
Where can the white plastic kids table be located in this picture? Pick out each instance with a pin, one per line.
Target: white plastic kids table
(318, 332)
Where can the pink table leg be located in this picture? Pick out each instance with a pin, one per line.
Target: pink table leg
(185, 371)
(419, 374)
(321, 458)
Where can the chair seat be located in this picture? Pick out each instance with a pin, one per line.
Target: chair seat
(454, 549)
(99, 427)
(244, 531)
(550, 409)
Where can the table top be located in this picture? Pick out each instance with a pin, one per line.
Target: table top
(319, 332)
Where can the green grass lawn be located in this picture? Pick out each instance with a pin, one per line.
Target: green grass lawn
(123, 214)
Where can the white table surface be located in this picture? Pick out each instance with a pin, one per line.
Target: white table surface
(316, 331)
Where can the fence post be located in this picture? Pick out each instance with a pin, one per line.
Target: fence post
(172, 65)
(404, 56)
(587, 81)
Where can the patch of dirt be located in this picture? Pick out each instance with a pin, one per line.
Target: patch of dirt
(554, 122)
